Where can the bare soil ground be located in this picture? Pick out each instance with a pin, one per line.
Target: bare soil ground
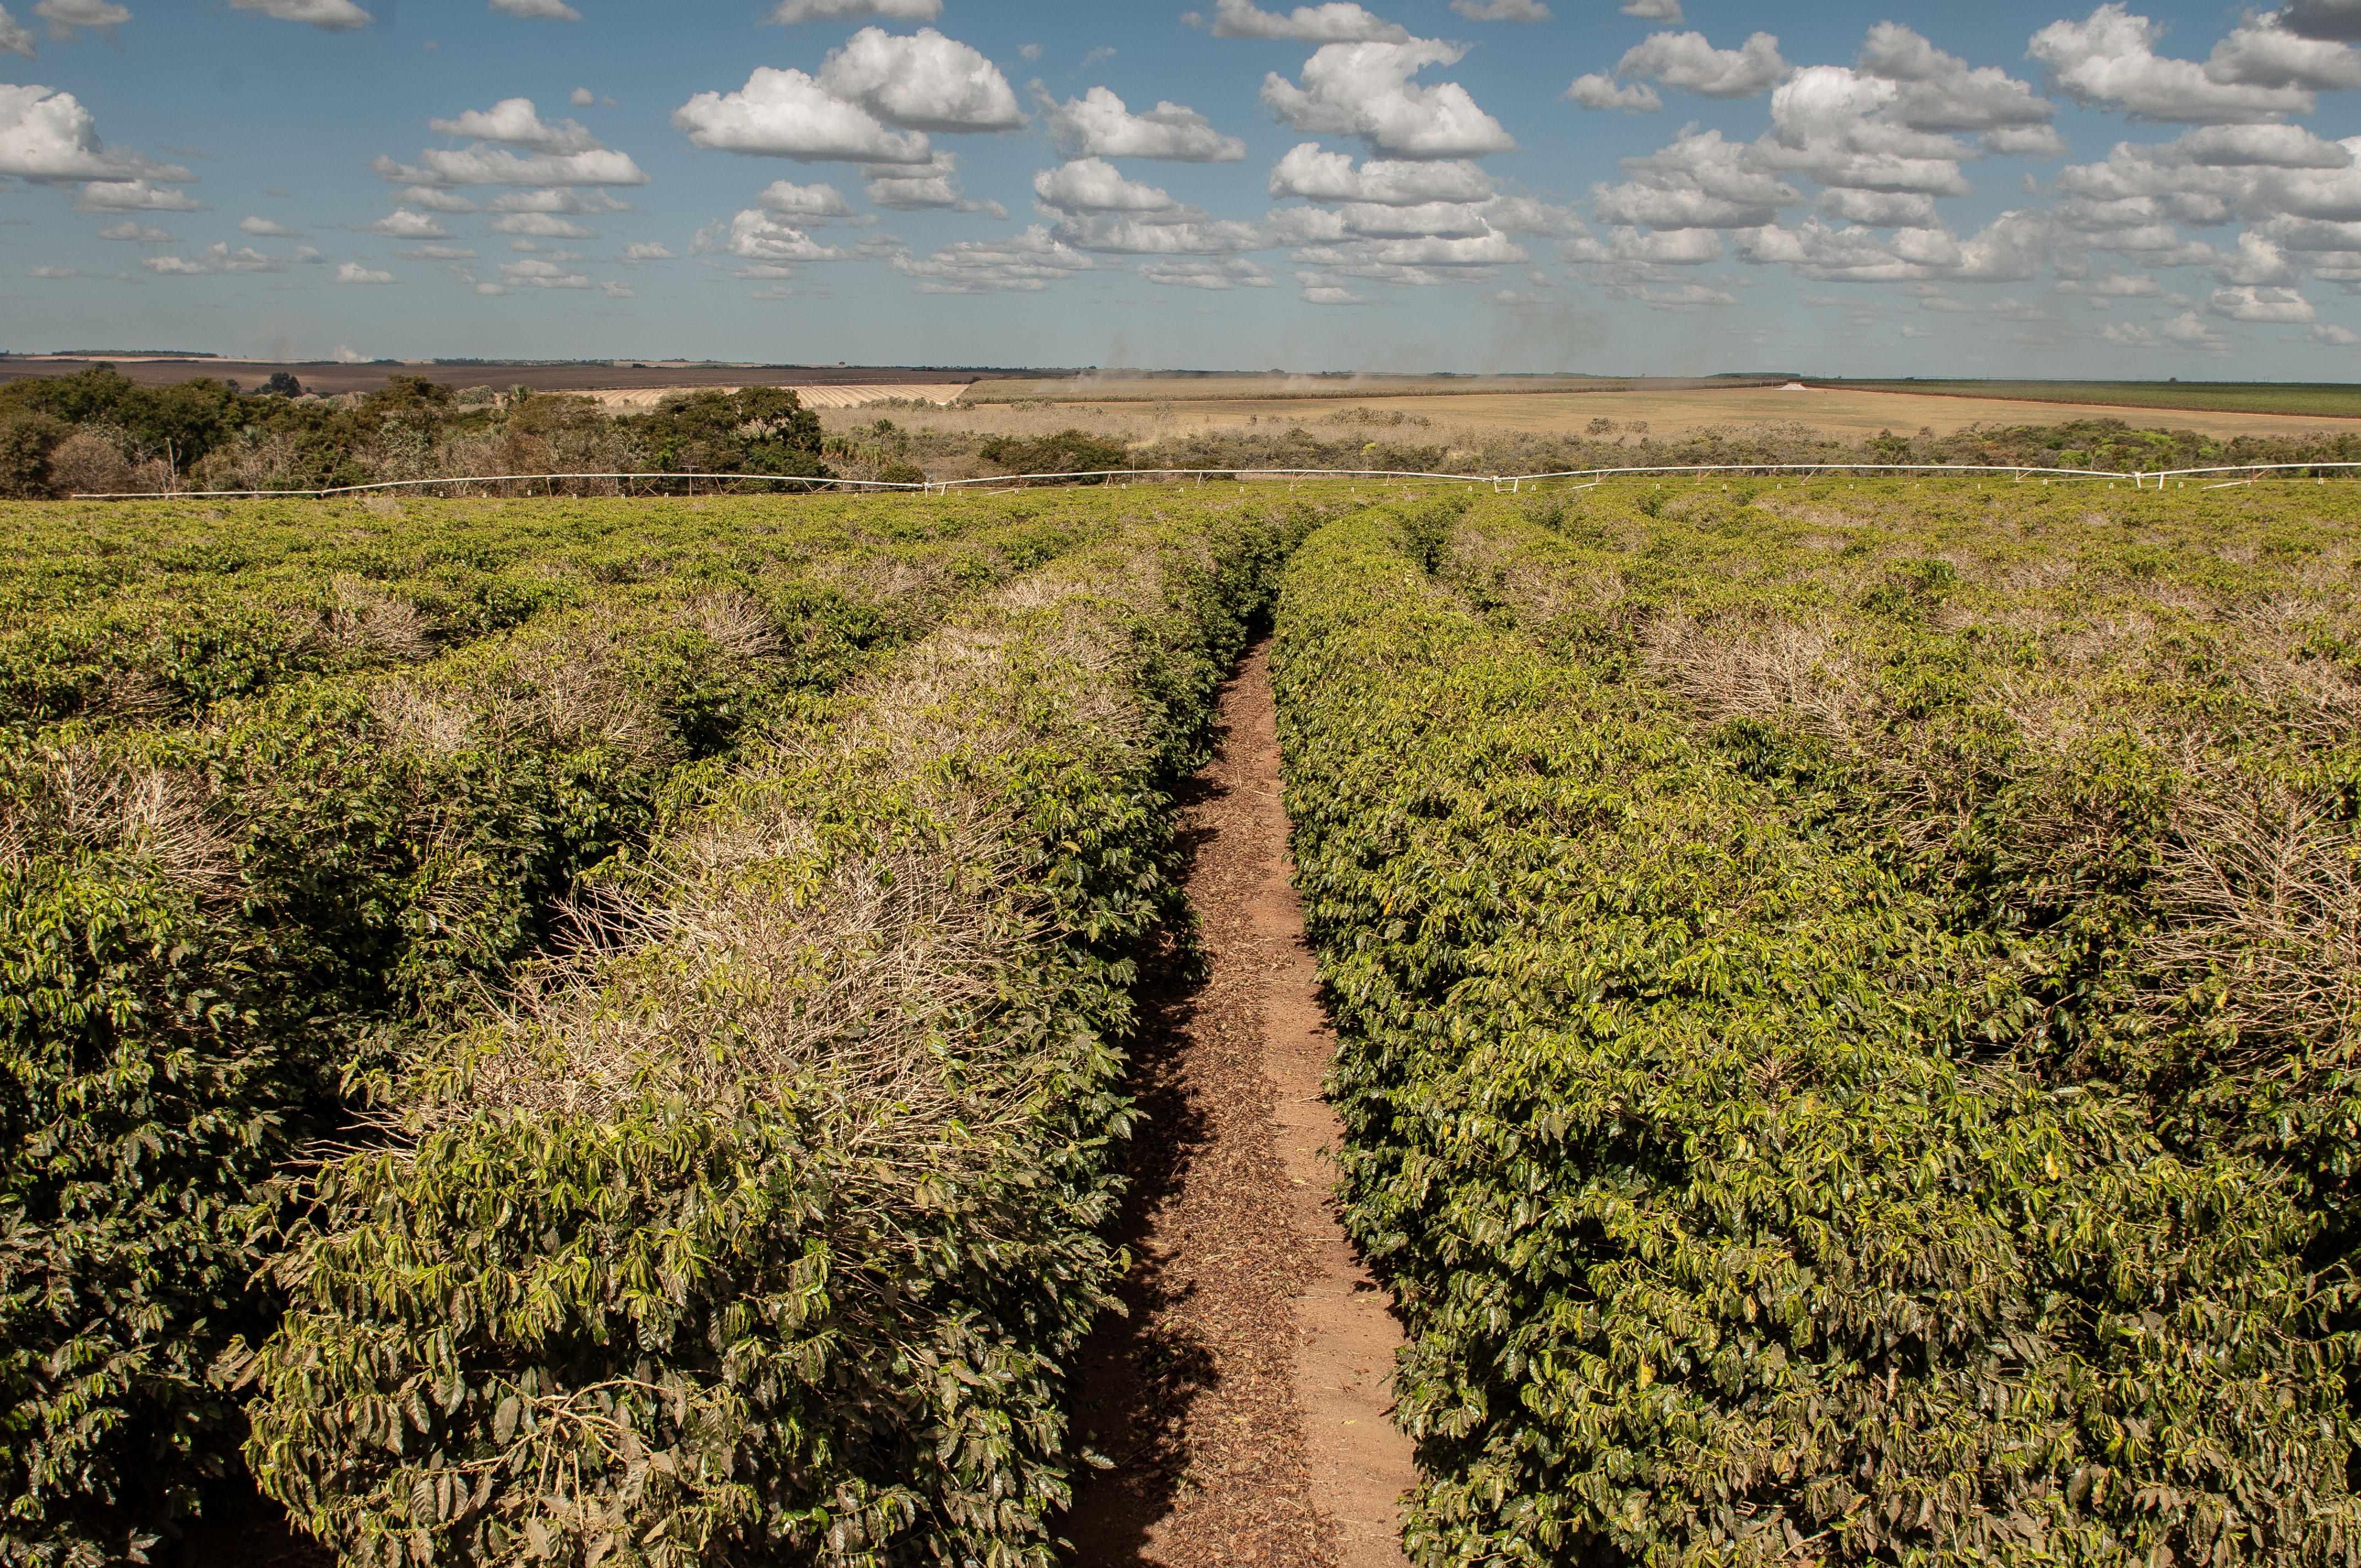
(1243, 1400)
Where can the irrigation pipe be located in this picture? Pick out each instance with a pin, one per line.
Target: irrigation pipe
(1515, 482)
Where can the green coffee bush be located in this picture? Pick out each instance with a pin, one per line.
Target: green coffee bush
(1729, 1225)
(235, 868)
(766, 1230)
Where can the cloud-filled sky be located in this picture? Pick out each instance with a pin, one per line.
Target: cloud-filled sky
(1668, 186)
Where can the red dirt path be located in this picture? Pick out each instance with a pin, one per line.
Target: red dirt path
(1243, 1400)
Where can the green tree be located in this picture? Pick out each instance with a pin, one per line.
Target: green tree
(1068, 452)
(757, 430)
(27, 436)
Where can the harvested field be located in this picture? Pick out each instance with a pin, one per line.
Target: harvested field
(639, 400)
(329, 379)
(1843, 413)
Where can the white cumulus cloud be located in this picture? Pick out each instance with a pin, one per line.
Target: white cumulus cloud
(538, 10)
(554, 200)
(1092, 185)
(217, 258)
(2012, 247)
(130, 229)
(1028, 263)
(267, 229)
(404, 224)
(1365, 90)
(1337, 22)
(1688, 61)
(791, 12)
(540, 225)
(66, 17)
(15, 37)
(534, 273)
(1098, 125)
(134, 196)
(1878, 209)
(1187, 233)
(354, 272)
(788, 199)
(514, 122)
(2265, 54)
(560, 154)
(1215, 272)
(2258, 304)
(1698, 181)
(329, 15)
(1319, 176)
(2108, 58)
(1428, 220)
(756, 235)
(2255, 259)
(2114, 286)
(434, 199)
(1835, 124)
(785, 114)
(498, 166)
(923, 82)
(1940, 92)
(1595, 90)
(925, 188)
(2192, 331)
(50, 136)
(1632, 248)
(1502, 10)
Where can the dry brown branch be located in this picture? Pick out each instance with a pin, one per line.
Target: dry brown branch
(1771, 670)
(735, 620)
(2263, 900)
(358, 618)
(82, 797)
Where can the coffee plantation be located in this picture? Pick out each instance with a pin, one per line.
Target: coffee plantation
(596, 1032)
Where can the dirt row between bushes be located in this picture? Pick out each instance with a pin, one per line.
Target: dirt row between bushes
(1243, 1401)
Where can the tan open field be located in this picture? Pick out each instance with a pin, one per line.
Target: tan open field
(1669, 413)
(640, 399)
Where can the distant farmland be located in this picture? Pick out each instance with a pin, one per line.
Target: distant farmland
(2338, 400)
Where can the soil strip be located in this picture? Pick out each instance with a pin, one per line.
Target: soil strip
(1243, 1400)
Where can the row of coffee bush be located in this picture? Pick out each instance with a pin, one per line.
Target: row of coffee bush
(2117, 738)
(1732, 1218)
(764, 1227)
(278, 789)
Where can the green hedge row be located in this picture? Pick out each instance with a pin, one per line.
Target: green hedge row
(764, 1230)
(2118, 744)
(299, 844)
(1727, 1225)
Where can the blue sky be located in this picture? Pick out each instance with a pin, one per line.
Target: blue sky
(1666, 186)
